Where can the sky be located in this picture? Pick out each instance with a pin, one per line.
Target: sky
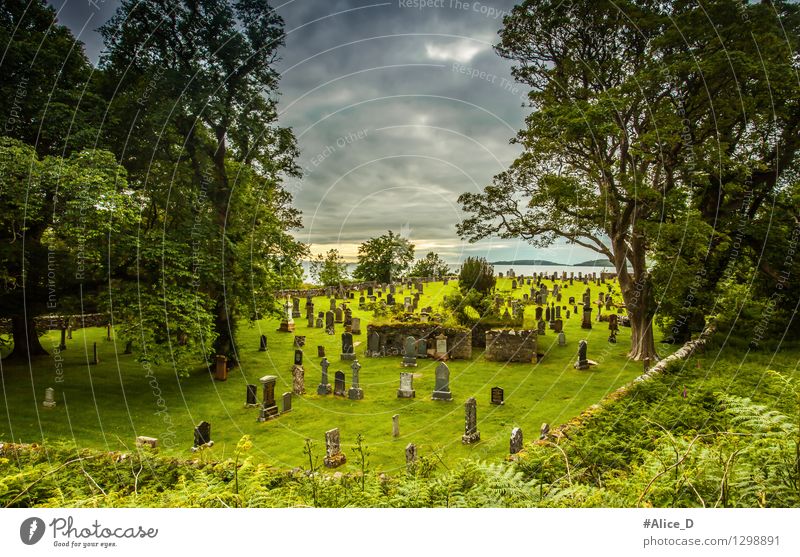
(397, 109)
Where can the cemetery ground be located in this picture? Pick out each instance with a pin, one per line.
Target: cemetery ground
(106, 406)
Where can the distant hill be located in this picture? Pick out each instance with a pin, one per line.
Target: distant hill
(544, 262)
(526, 262)
(595, 263)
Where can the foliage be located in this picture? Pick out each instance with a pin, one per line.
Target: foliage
(477, 275)
(469, 308)
(209, 168)
(330, 269)
(43, 94)
(430, 266)
(63, 214)
(384, 259)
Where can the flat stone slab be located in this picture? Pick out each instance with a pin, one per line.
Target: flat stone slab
(269, 378)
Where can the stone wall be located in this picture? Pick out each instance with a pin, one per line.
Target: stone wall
(509, 345)
(53, 322)
(459, 340)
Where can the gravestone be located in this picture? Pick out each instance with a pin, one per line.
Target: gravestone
(348, 317)
(396, 425)
(587, 317)
(410, 352)
(441, 347)
(63, 344)
(471, 433)
(515, 444)
(298, 380)
(318, 324)
(338, 315)
(411, 455)
(497, 396)
(202, 434)
(558, 325)
(441, 389)
(298, 357)
(538, 315)
(49, 398)
(334, 456)
(612, 337)
(287, 403)
(338, 383)
(390, 299)
(406, 389)
(221, 369)
(583, 362)
(252, 397)
(295, 307)
(355, 392)
(544, 430)
(320, 351)
(562, 339)
(332, 304)
(262, 346)
(269, 408)
(95, 357)
(144, 441)
(541, 327)
(330, 328)
(348, 352)
(362, 302)
(287, 323)
(309, 308)
(324, 387)
(355, 326)
(299, 341)
(422, 348)
(613, 322)
(373, 344)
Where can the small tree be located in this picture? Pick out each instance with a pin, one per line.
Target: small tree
(329, 269)
(384, 258)
(476, 274)
(431, 266)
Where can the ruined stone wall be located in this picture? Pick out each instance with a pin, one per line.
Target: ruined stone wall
(509, 345)
(459, 340)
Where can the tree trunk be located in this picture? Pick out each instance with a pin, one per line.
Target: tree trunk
(643, 345)
(224, 327)
(26, 341)
(637, 294)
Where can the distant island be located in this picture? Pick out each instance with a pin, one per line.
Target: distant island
(544, 262)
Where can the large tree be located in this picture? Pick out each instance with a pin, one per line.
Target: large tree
(430, 266)
(623, 132)
(62, 214)
(384, 258)
(193, 117)
(329, 269)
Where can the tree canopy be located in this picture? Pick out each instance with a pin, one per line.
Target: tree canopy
(645, 116)
(430, 266)
(384, 259)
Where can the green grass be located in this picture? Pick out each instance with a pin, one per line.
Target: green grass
(108, 405)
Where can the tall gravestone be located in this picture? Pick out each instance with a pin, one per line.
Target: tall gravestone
(338, 383)
(471, 433)
(411, 456)
(262, 345)
(348, 352)
(355, 392)
(373, 344)
(252, 396)
(410, 352)
(355, 326)
(330, 328)
(396, 425)
(583, 362)
(441, 389)
(334, 456)
(287, 403)
(269, 409)
(515, 444)
(298, 380)
(324, 387)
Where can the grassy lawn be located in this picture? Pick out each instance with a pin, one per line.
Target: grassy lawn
(108, 405)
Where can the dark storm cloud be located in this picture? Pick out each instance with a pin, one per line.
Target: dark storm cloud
(397, 111)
